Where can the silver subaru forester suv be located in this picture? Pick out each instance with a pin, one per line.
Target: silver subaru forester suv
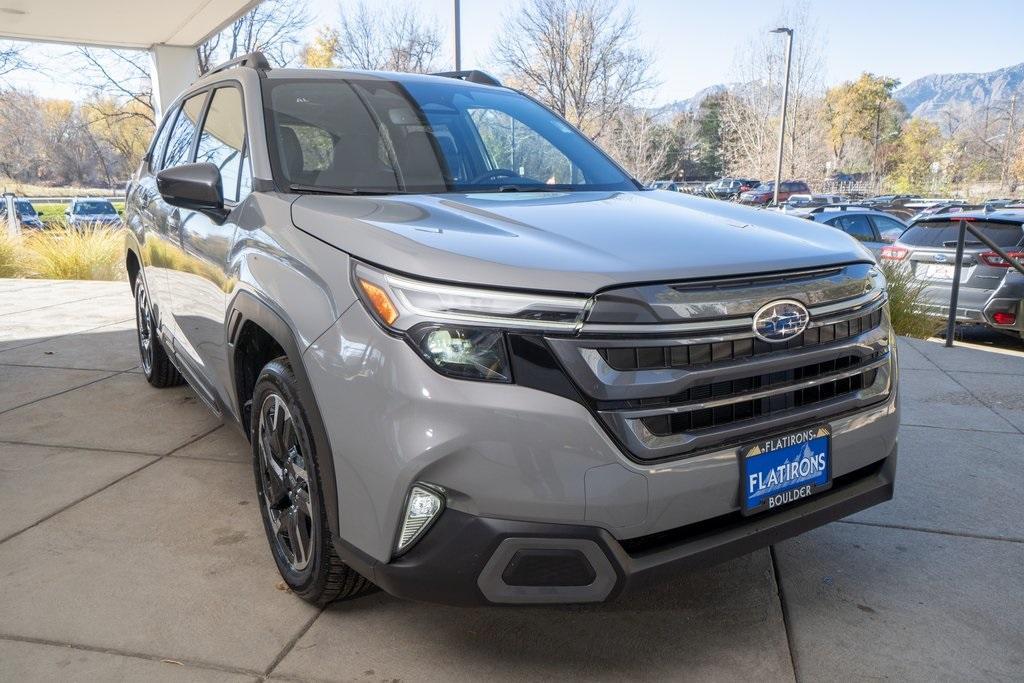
(477, 362)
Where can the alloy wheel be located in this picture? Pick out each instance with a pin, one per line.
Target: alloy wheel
(284, 478)
(144, 322)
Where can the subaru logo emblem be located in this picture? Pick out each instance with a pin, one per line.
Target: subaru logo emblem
(780, 321)
(941, 258)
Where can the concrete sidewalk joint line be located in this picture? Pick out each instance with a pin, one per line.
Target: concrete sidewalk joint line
(155, 460)
(290, 645)
(170, 661)
(784, 609)
(940, 532)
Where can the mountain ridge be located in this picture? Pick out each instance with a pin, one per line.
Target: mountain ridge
(926, 97)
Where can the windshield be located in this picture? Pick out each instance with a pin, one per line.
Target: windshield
(426, 137)
(94, 208)
(24, 208)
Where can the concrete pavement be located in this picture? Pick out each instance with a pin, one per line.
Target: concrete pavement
(131, 546)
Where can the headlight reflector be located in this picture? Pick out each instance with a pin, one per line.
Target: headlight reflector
(464, 352)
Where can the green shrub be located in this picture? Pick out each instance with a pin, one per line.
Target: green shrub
(905, 299)
(87, 253)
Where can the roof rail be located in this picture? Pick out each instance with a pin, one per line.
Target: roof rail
(842, 207)
(255, 60)
(472, 76)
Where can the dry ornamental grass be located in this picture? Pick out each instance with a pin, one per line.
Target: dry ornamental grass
(85, 253)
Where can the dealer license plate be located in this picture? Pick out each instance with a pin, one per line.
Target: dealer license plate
(784, 469)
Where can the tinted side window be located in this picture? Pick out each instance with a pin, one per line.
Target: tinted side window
(883, 223)
(157, 153)
(179, 147)
(857, 227)
(223, 138)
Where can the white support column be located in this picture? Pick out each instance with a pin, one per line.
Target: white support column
(174, 69)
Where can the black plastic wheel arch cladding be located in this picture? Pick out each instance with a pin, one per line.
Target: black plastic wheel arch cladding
(247, 307)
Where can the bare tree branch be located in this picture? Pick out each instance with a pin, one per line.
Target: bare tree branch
(273, 27)
(395, 39)
(577, 56)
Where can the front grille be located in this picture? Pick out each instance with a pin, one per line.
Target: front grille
(706, 418)
(678, 389)
(686, 355)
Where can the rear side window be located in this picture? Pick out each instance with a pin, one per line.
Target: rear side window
(179, 147)
(222, 141)
(884, 223)
(856, 226)
(944, 233)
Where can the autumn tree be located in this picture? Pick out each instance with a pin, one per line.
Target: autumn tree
(919, 146)
(121, 126)
(861, 114)
(321, 52)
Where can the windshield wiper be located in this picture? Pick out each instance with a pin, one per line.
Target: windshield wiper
(348, 191)
(967, 243)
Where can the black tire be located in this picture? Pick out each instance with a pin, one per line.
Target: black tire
(314, 573)
(158, 368)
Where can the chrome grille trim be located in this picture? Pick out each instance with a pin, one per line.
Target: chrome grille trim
(602, 382)
(852, 306)
(638, 439)
(690, 406)
(706, 386)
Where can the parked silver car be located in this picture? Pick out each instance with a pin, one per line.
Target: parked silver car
(485, 366)
(82, 212)
(928, 248)
(874, 229)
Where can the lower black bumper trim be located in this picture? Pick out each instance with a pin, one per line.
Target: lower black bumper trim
(446, 565)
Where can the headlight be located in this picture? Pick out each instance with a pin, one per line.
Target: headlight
(458, 330)
(470, 353)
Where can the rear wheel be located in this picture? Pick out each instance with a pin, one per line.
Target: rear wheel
(157, 367)
(289, 489)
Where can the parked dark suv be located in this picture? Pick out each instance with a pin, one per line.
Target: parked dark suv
(479, 363)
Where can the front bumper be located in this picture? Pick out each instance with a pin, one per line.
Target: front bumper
(512, 452)
(466, 559)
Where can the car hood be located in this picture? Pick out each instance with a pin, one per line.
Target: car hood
(569, 242)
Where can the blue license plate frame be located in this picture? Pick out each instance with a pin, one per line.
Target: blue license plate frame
(784, 469)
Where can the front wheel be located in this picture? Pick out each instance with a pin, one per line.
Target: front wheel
(289, 489)
(158, 368)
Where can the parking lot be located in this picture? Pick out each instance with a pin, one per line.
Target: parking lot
(131, 547)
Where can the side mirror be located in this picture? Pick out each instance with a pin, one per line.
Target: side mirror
(196, 187)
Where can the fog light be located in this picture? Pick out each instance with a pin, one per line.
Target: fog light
(421, 509)
(1004, 318)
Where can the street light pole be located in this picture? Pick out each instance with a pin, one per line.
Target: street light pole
(785, 102)
(458, 37)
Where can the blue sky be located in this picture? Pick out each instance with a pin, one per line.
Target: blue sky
(694, 41)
